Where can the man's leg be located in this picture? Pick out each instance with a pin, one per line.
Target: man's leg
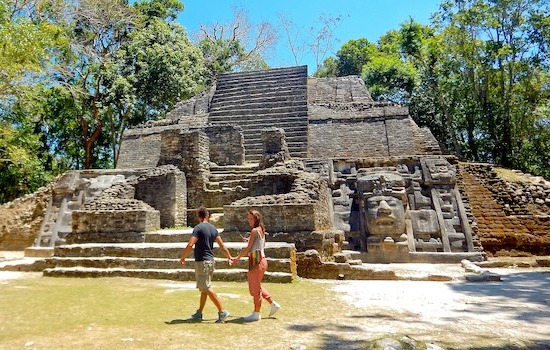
(204, 295)
(215, 299)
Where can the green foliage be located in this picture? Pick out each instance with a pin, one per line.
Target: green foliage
(478, 77)
(155, 69)
(26, 46)
(329, 68)
(21, 168)
(220, 56)
(388, 77)
(167, 10)
(353, 55)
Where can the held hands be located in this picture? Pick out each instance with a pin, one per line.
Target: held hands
(233, 261)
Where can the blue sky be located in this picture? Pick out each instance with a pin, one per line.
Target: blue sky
(361, 18)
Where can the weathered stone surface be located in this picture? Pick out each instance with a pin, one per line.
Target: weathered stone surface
(275, 148)
(21, 219)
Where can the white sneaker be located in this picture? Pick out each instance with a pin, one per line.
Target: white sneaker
(255, 316)
(274, 308)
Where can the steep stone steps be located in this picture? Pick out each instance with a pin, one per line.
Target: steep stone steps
(290, 95)
(218, 185)
(105, 262)
(229, 177)
(160, 250)
(257, 106)
(283, 88)
(297, 129)
(252, 84)
(293, 94)
(161, 259)
(261, 99)
(237, 169)
(297, 133)
(222, 115)
(273, 72)
(227, 275)
(263, 120)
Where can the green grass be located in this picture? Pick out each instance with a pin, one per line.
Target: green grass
(124, 313)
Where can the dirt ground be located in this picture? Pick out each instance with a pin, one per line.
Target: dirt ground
(515, 310)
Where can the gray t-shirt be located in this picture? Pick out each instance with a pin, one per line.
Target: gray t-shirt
(206, 234)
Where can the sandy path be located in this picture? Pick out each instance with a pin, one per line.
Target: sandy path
(515, 310)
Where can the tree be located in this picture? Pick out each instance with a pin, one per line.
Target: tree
(293, 37)
(323, 38)
(236, 45)
(353, 55)
(21, 169)
(500, 52)
(26, 44)
(155, 69)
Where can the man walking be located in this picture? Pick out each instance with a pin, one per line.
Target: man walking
(203, 237)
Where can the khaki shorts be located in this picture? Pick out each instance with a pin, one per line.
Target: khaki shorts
(203, 273)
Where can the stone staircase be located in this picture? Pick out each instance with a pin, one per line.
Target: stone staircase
(261, 99)
(158, 258)
(223, 176)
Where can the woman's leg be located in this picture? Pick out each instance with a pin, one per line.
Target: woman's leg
(255, 277)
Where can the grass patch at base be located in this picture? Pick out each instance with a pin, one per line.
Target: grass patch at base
(126, 313)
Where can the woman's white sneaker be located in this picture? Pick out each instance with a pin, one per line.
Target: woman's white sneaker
(255, 316)
(274, 308)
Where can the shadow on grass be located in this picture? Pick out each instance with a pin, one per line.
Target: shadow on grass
(330, 326)
(241, 320)
(180, 321)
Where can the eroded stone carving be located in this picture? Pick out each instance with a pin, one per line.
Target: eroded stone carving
(382, 202)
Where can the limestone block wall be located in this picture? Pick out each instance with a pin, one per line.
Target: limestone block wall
(20, 220)
(146, 147)
(340, 89)
(226, 144)
(168, 194)
(123, 221)
(139, 151)
(190, 153)
(277, 217)
(405, 137)
(193, 111)
(347, 139)
(297, 201)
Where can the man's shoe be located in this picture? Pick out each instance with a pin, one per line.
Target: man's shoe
(255, 316)
(222, 316)
(274, 308)
(197, 316)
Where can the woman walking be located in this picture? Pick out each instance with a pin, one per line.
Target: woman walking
(257, 265)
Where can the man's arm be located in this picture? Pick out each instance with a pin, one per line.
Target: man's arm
(219, 240)
(188, 249)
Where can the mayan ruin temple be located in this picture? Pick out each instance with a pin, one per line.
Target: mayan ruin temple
(340, 179)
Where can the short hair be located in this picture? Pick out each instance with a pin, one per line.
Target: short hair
(202, 212)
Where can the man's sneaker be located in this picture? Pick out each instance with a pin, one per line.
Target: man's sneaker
(255, 316)
(274, 308)
(197, 316)
(222, 316)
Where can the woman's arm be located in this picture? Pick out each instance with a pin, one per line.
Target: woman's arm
(246, 250)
